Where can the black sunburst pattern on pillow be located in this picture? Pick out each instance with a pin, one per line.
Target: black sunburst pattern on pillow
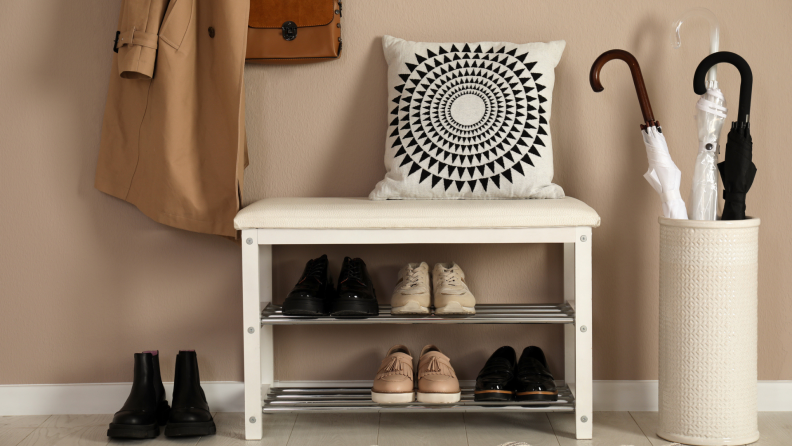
(469, 117)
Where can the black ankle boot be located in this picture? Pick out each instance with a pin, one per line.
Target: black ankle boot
(313, 293)
(146, 408)
(189, 414)
(355, 295)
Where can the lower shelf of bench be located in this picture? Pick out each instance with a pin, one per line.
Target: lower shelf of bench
(358, 399)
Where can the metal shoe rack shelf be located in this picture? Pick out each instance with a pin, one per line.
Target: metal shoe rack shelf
(264, 395)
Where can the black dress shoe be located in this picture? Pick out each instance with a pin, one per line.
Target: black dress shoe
(495, 382)
(146, 408)
(534, 382)
(313, 292)
(189, 415)
(355, 295)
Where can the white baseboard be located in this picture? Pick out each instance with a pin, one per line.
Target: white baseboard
(45, 399)
(638, 395)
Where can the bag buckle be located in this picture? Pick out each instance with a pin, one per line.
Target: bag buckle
(289, 30)
(115, 42)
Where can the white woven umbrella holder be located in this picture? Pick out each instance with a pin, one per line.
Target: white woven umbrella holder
(708, 331)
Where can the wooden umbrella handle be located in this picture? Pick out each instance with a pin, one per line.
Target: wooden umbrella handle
(635, 69)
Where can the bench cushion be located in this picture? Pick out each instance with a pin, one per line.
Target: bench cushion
(362, 213)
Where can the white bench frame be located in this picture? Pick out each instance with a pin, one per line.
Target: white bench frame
(257, 293)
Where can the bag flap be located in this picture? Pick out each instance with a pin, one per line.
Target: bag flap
(274, 13)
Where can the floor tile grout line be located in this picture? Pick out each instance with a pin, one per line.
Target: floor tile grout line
(291, 431)
(379, 425)
(44, 421)
(555, 434)
(25, 437)
(639, 427)
(35, 428)
(464, 422)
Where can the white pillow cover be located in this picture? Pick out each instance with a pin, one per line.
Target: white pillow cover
(469, 120)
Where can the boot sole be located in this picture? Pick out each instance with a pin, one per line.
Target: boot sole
(455, 307)
(411, 307)
(304, 307)
(355, 308)
(439, 398)
(190, 429)
(392, 398)
(130, 431)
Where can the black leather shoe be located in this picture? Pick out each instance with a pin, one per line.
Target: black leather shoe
(146, 408)
(189, 415)
(355, 295)
(313, 292)
(495, 382)
(534, 382)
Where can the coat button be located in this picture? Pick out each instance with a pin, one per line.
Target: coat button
(211, 32)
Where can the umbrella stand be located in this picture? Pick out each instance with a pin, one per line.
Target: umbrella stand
(708, 331)
(663, 175)
(709, 303)
(737, 170)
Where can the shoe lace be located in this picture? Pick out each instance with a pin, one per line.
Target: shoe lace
(413, 277)
(450, 276)
(354, 271)
(314, 270)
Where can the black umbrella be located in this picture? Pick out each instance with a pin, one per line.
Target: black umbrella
(737, 170)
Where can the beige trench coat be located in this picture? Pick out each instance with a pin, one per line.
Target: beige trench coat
(173, 137)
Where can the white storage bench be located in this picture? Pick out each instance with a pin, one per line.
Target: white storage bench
(300, 221)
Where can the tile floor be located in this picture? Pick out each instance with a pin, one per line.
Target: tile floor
(440, 429)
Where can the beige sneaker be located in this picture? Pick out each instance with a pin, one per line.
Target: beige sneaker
(412, 294)
(437, 382)
(451, 293)
(394, 381)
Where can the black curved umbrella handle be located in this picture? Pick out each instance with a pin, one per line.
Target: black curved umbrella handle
(746, 79)
(635, 70)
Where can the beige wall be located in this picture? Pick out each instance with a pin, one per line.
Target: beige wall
(86, 280)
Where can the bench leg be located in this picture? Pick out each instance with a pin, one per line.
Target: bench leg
(578, 367)
(255, 286)
(267, 348)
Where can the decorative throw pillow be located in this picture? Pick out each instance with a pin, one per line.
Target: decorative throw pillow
(469, 120)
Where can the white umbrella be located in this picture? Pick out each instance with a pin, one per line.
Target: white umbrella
(710, 116)
(704, 191)
(663, 175)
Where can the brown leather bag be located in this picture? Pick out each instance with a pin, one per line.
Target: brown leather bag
(293, 31)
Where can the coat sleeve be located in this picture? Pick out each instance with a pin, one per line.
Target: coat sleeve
(138, 27)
